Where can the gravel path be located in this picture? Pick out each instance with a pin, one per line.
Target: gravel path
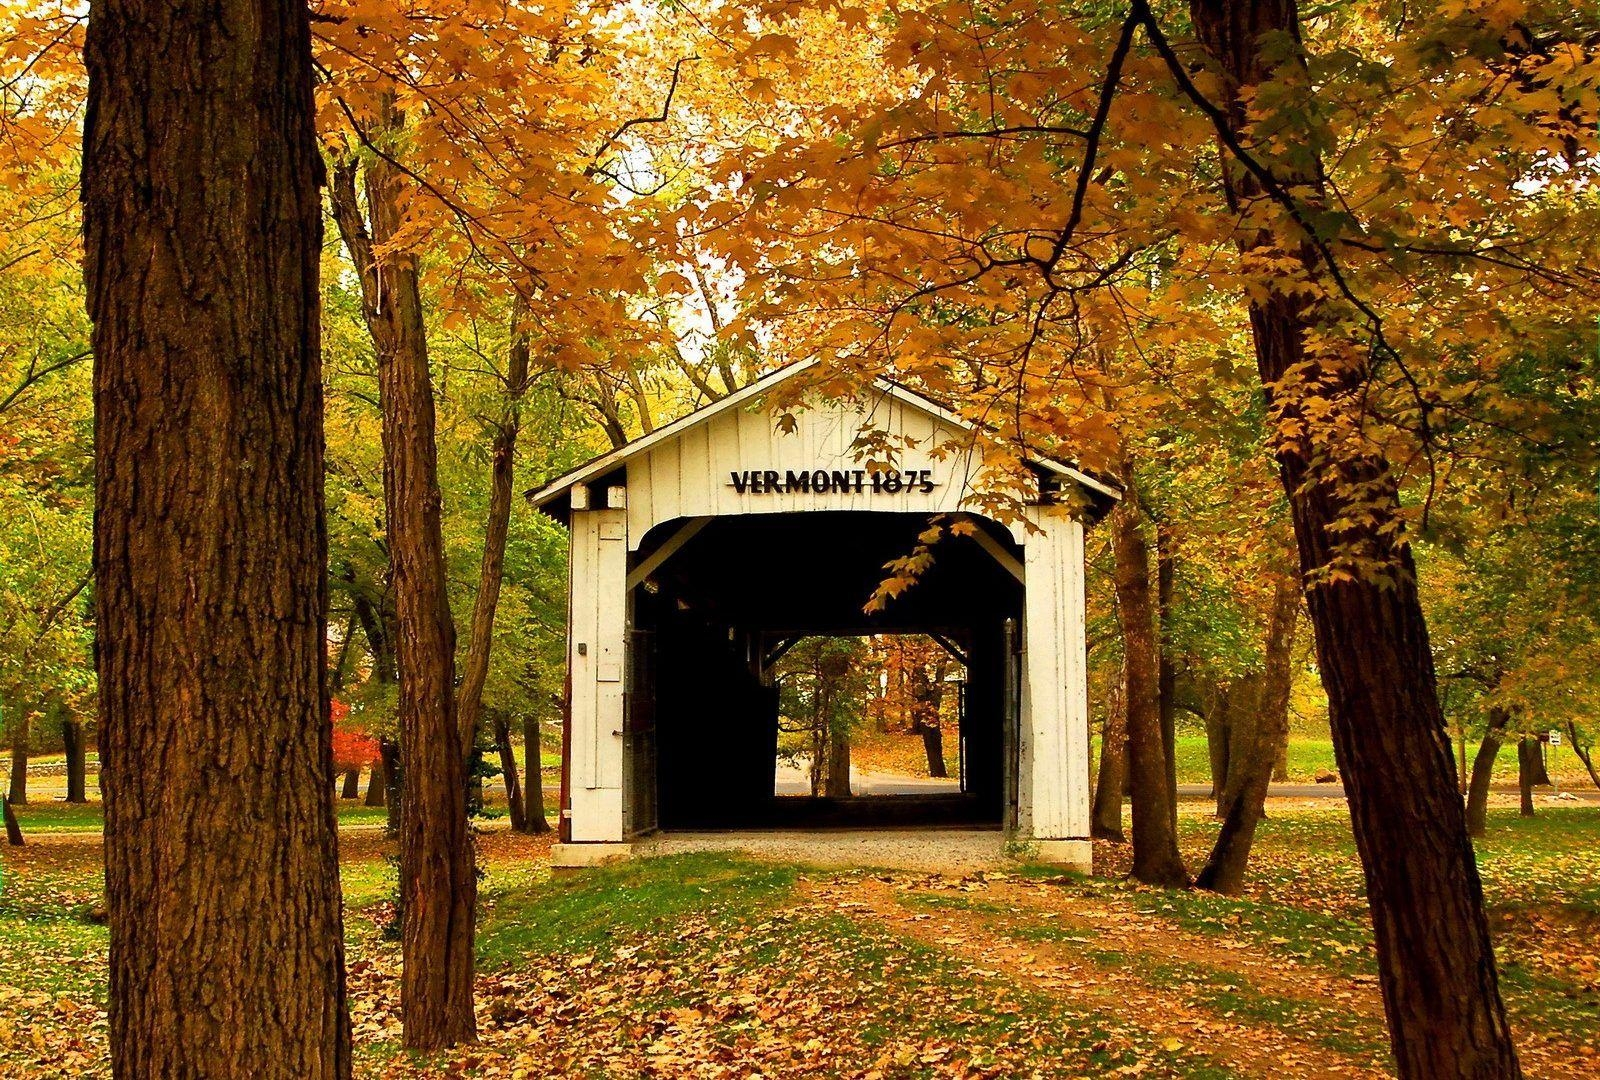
(949, 850)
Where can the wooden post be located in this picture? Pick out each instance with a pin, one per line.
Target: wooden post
(1055, 695)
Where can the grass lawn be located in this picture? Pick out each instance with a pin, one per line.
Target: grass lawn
(712, 965)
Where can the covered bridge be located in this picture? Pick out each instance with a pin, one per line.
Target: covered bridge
(702, 551)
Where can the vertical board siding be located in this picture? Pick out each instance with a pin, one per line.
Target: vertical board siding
(598, 601)
(1055, 727)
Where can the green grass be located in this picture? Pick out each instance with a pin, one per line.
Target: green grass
(61, 817)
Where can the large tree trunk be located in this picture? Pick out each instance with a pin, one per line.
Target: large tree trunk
(202, 228)
(1250, 772)
(508, 771)
(352, 784)
(21, 736)
(72, 741)
(1156, 860)
(533, 790)
(1483, 771)
(437, 872)
(1105, 821)
(1436, 965)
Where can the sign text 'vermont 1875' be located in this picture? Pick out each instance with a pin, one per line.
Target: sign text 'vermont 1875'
(823, 481)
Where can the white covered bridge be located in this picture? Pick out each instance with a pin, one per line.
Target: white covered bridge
(702, 551)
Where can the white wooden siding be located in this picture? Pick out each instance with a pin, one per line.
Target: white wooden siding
(689, 476)
(1054, 764)
(596, 658)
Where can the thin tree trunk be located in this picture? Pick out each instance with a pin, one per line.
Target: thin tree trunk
(1156, 860)
(1167, 668)
(508, 770)
(13, 829)
(21, 736)
(202, 231)
(1435, 961)
(437, 872)
(1249, 773)
(491, 570)
(1483, 771)
(1528, 769)
(77, 761)
(1106, 819)
(933, 750)
(533, 791)
(838, 771)
(394, 787)
(1280, 757)
(375, 784)
(1584, 753)
(352, 784)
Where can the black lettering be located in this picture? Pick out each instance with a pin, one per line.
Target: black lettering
(927, 480)
(770, 478)
(797, 481)
(892, 481)
(877, 480)
(819, 482)
(841, 481)
(741, 481)
(860, 474)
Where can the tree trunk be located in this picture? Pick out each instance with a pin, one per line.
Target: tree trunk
(1250, 772)
(375, 783)
(394, 787)
(1106, 818)
(1483, 771)
(1280, 756)
(533, 791)
(1529, 766)
(838, 771)
(1167, 668)
(352, 784)
(1436, 964)
(22, 734)
(1156, 860)
(72, 742)
(508, 771)
(491, 570)
(437, 873)
(1583, 752)
(933, 749)
(13, 829)
(202, 231)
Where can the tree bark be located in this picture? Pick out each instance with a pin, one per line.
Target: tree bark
(491, 570)
(375, 783)
(437, 872)
(1584, 753)
(1483, 771)
(1156, 860)
(508, 770)
(21, 736)
(202, 230)
(1106, 818)
(72, 741)
(394, 787)
(1167, 667)
(1436, 964)
(838, 771)
(1250, 772)
(1529, 766)
(352, 784)
(533, 790)
(13, 828)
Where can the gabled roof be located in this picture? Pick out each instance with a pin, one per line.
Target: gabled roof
(612, 460)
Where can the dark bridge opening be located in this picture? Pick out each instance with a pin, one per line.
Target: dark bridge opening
(713, 624)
